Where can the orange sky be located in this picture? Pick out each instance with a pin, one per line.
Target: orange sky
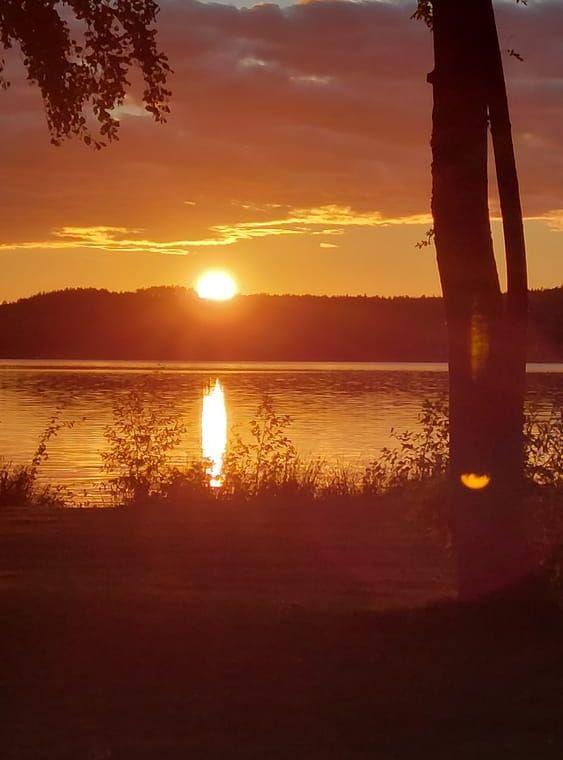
(296, 156)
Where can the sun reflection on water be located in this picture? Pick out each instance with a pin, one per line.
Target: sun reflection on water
(214, 432)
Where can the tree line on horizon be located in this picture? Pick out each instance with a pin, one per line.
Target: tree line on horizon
(172, 323)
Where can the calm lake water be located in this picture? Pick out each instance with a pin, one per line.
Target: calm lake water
(342, 413)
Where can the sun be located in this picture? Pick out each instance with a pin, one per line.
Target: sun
(216, 285)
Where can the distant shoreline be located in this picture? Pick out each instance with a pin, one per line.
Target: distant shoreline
(165, 324)
(181, 366)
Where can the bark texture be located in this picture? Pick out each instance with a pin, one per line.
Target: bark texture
(486, 346)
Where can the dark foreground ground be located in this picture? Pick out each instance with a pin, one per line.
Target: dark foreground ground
(261, 633)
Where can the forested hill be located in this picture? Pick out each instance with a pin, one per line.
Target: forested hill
(173, 323)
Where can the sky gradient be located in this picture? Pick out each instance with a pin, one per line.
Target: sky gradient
(296, 156)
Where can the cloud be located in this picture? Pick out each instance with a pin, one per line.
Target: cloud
(298, 106)
(287, 122)
(304, 105)
(331, 99)
(553, 219)
(326, 220)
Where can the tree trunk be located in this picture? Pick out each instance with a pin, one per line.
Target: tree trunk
(516, 311)
(486, 466)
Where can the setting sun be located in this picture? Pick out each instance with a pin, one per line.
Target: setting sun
(216, 285)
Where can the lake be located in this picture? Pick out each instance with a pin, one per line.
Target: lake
(342, 413)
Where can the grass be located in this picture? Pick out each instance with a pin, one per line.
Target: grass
(249, 632)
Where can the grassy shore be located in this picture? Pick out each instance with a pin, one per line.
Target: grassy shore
(261, 630)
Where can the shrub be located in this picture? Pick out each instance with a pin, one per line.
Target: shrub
(420, 455)
(189, 483)
(140, 442)
(424, 454)
(268, 462)
(19, 485)
(544, 448)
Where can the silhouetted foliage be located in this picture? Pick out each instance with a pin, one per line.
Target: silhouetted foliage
(418, 456)
(267, 461)
(424, 11)
(140, 442)
(544, 449)
(79, 53)
(19, 484)
(262, 462)
(172, 323)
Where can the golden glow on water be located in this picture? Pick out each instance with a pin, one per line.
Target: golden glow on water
(330, 422)
(475, 482)
(214, 432)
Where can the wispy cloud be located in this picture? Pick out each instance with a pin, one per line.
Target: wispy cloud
(324, 220)
(553, 219)
(332, 215)
(120, 239)
(329, 220)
